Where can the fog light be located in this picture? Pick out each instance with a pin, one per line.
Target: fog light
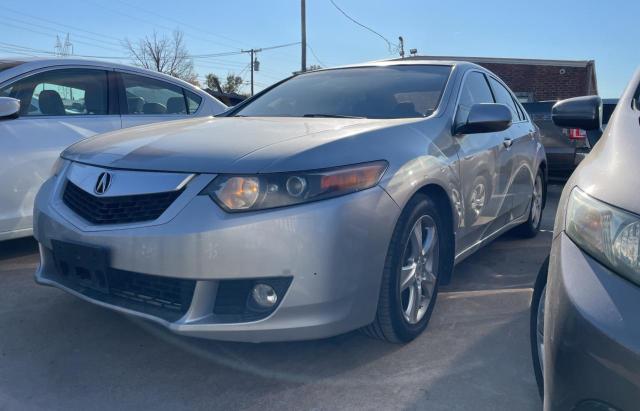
(264, 295)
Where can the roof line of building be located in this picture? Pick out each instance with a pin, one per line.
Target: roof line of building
(537, 62)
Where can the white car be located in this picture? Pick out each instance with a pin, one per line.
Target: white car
(49, 104)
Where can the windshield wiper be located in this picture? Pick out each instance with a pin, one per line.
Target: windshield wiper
(330, 116)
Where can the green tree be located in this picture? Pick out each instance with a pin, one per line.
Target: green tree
(233, 83)
(212, 81)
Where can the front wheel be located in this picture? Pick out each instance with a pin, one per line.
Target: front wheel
(416, 259)
(536, 325)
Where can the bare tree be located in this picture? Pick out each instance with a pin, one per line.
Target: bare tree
(167, 55)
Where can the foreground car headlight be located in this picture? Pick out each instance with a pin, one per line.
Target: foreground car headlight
(609, 234)
(57, 167)
(236, 193)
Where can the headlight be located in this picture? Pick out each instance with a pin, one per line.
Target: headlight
(57, 167)
(236, 193)
(610, 235)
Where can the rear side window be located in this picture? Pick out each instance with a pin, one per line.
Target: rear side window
(152, 97)
(521, 113)
(475, 90)
(193, 101)
(504, 97)
(64, 92)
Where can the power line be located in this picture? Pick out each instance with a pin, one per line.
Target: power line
(73, 30)
(196, 56)
(315, 56)
(389, 45)
(182, 23)
(280, 46)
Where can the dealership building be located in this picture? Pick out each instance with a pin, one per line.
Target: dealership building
(538, 80)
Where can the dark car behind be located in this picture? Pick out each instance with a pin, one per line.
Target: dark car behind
(565, 148)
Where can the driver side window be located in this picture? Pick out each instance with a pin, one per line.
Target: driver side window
(64, 92)
(475, 90)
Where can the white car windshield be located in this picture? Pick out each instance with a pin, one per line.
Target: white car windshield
(402, 91)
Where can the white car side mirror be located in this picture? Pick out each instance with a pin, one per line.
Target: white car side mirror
(9, 108)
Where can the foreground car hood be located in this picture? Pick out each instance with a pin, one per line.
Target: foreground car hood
(210, 145)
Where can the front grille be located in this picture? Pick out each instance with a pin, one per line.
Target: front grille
(163, 297)
(169, 294)
(117, 210)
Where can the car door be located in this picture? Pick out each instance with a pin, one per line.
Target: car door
(58, 108)
(483, 165)
(520, 152)
(147, 100)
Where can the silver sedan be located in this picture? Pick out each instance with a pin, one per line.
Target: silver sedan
(335, 200)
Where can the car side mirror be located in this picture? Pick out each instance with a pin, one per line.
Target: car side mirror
(486, 118)
(580, 112)
(9, 108)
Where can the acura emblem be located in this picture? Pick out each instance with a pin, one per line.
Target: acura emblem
(103, 183)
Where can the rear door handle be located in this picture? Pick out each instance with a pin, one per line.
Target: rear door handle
(507, 142)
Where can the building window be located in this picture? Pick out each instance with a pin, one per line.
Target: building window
(524, 96)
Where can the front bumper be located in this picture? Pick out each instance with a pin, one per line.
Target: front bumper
(333, 251)
(592, 333)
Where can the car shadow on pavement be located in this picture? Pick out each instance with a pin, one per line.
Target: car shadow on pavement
(17, 248)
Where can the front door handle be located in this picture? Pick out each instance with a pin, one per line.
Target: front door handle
(507, 142)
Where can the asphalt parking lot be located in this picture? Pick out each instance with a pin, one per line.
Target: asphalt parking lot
(57, 352)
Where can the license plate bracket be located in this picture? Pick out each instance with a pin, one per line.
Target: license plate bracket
(84, 265)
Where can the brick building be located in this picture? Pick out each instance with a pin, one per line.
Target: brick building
(539, 80)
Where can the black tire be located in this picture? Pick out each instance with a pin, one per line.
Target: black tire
(531, 228)
(538, 291)
(390, 324)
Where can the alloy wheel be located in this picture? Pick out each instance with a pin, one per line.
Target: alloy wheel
(419, 269)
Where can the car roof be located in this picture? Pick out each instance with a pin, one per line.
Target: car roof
(412, 62)
(35, 63)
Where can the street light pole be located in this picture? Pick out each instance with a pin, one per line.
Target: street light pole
(303, 28)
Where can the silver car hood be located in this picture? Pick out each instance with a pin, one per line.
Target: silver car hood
(216, 145)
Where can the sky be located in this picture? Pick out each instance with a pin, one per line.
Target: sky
(604, 31)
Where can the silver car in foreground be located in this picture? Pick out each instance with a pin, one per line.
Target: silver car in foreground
(334, 200)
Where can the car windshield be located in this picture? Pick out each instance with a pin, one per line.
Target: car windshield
(401, 91)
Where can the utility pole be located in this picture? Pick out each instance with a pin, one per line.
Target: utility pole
(303, 28)
(401, 47)
(255, 64)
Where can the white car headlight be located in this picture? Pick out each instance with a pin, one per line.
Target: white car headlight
(608, 234)
(235, 193)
